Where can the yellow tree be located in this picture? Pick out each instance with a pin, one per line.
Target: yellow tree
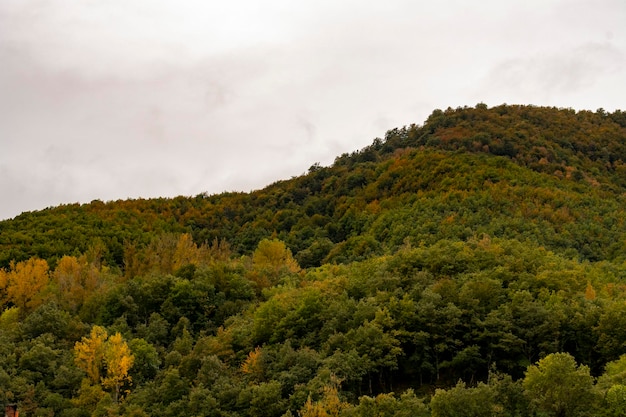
(97, 352)
(89, 353)
(186, 252)
(271, 260)
(25, 282)
(119, 360)
(75, 281)
(330, 405)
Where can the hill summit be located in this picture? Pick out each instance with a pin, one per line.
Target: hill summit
(553, 176)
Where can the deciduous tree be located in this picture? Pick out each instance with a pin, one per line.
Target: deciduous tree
(271, 259)
(25, 283)
(559, 387)
(119, 360)
(99, 354)
(89, 353)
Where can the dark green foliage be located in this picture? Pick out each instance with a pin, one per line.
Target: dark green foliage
(487, 239)
(553, 176)
(559, 387)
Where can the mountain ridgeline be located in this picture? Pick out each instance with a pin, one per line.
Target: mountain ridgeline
(554, 177)
(474, 265)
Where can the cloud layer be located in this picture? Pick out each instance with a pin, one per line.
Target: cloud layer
(118, 99)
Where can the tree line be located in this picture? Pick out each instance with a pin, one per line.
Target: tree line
(485, 326)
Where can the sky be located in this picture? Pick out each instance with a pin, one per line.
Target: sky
(126, 99)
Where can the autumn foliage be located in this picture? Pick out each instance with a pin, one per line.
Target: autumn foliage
(472, 265)
(105, 359)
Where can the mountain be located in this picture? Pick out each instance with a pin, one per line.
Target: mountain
(555, 177)
(472, 265)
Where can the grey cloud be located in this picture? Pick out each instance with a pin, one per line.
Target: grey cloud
(557, 73)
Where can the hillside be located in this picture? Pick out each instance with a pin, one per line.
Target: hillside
(487, 246)
(552, 176)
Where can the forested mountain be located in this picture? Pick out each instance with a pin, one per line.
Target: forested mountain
(473, 265)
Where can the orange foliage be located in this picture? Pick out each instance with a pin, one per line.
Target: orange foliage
(590, 293)
(253, 365)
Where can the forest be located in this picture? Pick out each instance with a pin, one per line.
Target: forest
(474, 265)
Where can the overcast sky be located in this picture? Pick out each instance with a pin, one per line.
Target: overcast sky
(124, 99)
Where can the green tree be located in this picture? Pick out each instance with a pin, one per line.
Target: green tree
(615, 401)
(611, 330)
(559, 387)
(613, 383)
(263, 400)
(146, 362)
(407, 405)
(461, 401)
(614, 373)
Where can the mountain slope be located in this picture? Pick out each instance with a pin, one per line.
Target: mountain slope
(552, 176)
(366, 288)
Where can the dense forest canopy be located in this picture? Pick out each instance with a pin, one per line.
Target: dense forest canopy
(473, 265)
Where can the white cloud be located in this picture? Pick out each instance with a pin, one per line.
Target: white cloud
(154, 98)
(562, 75)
